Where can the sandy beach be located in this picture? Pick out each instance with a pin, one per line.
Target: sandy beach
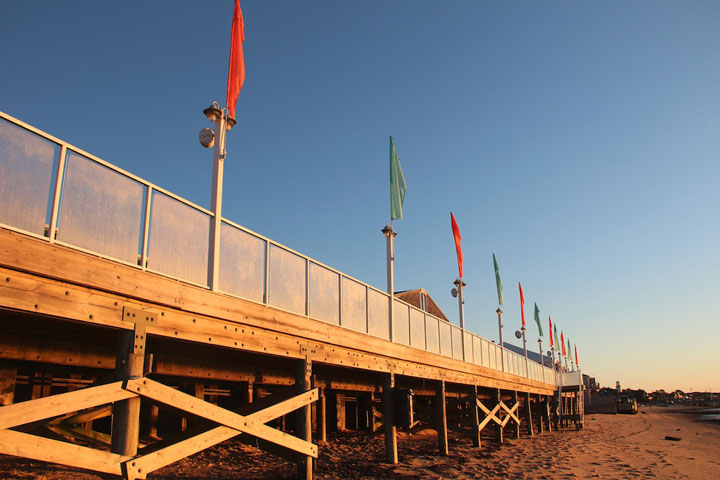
(610, 447)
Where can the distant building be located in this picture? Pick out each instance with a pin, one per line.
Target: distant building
(420, 299)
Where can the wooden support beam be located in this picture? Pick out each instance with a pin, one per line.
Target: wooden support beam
(7, 385)
(441, 417)
(39, 448)
(303, 418)
(321, 417)
(539, 413)
(126, 414)
(499, 428)
(474, 417)
(391, 455)
(516, 427)
(529, 415)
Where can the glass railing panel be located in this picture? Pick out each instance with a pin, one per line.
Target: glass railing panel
(432, 334)
(27, 163)
(324, 294)
(378, 314)
(401, 323)
(353, 315)
(242, 263)
(457, 352)
(468, 346)
(286, 280)
(179, 238)
(417, 328)
(102, 210)
(445, 339)
(477, 346)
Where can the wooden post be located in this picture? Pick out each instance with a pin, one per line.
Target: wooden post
(546, 412)
(126, 414)
(321, 417)
(538, 411)
(303, 418)
(498, 427)
(8, 377)
(474, 417)
(529, 416)
(517, 424)
(391, 455)
(441, 417)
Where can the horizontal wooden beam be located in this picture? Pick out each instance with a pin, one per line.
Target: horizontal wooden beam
(38, 448)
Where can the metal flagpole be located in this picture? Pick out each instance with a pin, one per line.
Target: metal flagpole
(461, 307)
(527, 365)
(221, 122)
(502, 348)
(542, 358)
(390, 236)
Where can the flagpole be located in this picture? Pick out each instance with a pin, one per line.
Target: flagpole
(527, 365)
(542, 358)
(220, 118)
(500, 328)
(461, 307)
(390, 236)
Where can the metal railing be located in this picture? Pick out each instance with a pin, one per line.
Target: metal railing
(54, 191)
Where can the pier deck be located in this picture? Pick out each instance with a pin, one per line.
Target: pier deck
(111, 333)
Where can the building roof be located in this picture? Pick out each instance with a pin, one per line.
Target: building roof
(414, 297)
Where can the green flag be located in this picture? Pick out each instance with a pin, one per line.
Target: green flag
(397, 184)
(557, 342)
(537, 319)
(498, 281)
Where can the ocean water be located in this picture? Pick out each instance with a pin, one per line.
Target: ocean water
(710, 415)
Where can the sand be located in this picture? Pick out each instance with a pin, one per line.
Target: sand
(610, 447)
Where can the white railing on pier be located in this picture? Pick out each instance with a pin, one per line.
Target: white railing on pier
(57, 192)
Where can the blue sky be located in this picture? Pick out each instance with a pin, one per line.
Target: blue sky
(578, 141)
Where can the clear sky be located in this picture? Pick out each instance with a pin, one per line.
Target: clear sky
(578, 141)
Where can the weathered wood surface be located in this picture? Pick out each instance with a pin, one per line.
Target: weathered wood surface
(70, 284)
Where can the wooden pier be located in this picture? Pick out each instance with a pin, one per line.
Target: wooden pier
(137, 365)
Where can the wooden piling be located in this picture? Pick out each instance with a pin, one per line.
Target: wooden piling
(441, 417)
(321, 417)
(391, 455)
(303, 419)
(497, 397)
(528, 414)
(126, 413)
(474, 417)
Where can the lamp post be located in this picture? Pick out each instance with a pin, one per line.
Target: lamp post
(390, 236)
(208, 139)
(458, 291)
(500, 328)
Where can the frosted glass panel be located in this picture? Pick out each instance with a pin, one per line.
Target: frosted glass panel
(379, 315)
(401, 323)
(287, 280)
(324, 294)
(445, 342)
(468, 347)
(417, 328)
(242, 263)
(102, 210)
(491, 359)
(431, 333)
(457, 342)
(477, 350)
(179, 238)
(26, 171)
(353, 305)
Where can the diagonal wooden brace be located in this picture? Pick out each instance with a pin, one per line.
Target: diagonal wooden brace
(511, 413)
(490, 415)
(232, 425)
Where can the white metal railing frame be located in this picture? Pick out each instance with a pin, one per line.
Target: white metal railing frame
(514, 363)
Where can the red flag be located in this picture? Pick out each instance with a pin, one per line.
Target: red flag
(456, 235)
(577, 364)
(562, 342)
(522, 304)
(236, 71)
(551, 339)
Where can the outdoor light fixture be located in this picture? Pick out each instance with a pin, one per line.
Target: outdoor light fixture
(454, 292)
(213, 112)
(518, 334)
(229, 123)
(207, 138)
